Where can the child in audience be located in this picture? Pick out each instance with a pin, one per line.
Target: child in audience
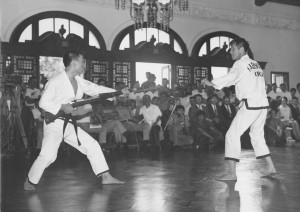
(178, 127)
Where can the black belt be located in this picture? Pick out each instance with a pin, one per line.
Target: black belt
(30, 107)
(253, 108)
(70, 119)
(129, 120)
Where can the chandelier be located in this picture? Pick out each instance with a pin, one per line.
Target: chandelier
(151, 9)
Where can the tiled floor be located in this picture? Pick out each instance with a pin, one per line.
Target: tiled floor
(181, 181)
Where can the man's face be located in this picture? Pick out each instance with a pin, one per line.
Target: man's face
(214, 100)
(164, 82)
(192, 101)
(294, 102)
(274, 87)
(293, 92)
(79, 65)
(236, 53)
(146, 100)
(198, 100)
(226, 101)
(283, 88)
(180, 111)
(155, 101)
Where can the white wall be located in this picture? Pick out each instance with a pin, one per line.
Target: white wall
(277, 44)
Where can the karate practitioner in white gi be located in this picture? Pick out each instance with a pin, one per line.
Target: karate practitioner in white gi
(249, 82)
(59, 92)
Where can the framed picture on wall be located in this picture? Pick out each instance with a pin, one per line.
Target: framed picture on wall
(279, 78)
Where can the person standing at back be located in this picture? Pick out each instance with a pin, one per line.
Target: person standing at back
(248, 78)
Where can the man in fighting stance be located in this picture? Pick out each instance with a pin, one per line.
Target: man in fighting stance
(248, 78)
(59, 92)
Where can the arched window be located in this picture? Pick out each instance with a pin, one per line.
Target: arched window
(211, 41)
(129, 37)
(59, 22)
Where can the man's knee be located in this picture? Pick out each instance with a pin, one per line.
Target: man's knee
(47, 158)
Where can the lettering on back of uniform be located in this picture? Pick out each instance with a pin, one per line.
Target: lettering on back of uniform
(256, 68)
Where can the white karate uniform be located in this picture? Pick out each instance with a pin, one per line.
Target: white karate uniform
(59, 91)
(249, 82)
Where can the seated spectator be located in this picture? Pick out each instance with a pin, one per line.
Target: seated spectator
(200, 90)
(274, 129)
(164, 102)
(285, 93)
(287, 119)
(196, 107)
(102, 81)
(91, 123)
(205, 134)
(129, 121)
(273, 93)
(151, 114)
(185, 102)
(178, 127)
(294, 105)
(155, 101)
(213, 112)
(110, 122)
(293, 92)
(227, 112)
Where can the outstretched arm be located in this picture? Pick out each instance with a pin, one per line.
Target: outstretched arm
(207, 82)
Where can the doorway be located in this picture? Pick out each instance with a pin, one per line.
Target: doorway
(160, 70)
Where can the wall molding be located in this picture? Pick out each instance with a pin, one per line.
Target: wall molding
(220, 14)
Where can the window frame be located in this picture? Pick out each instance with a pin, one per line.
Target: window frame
(34, 20)
(206, 39)
(130, 30)
(285, 75)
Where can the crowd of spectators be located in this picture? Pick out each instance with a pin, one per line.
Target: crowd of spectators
(182, 117)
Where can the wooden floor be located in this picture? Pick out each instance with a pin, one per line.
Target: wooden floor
(178, 181)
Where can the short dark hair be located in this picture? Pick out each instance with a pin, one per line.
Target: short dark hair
(178, 107)
(298, 85)
(240, 42)
(198, 95)
(293, 89)
(71, 55)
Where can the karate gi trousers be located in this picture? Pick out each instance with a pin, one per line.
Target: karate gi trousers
(53, 136)
(245, 118)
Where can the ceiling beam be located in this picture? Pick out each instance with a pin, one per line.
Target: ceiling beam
(288, 2)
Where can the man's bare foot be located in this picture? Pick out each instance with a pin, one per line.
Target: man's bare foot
(28, 186)
(107, 179)
(226, 177)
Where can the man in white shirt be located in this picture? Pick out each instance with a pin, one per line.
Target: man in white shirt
(273, 93)
(248, 78)
(285, 93)
(60, 91)
(152, 115)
